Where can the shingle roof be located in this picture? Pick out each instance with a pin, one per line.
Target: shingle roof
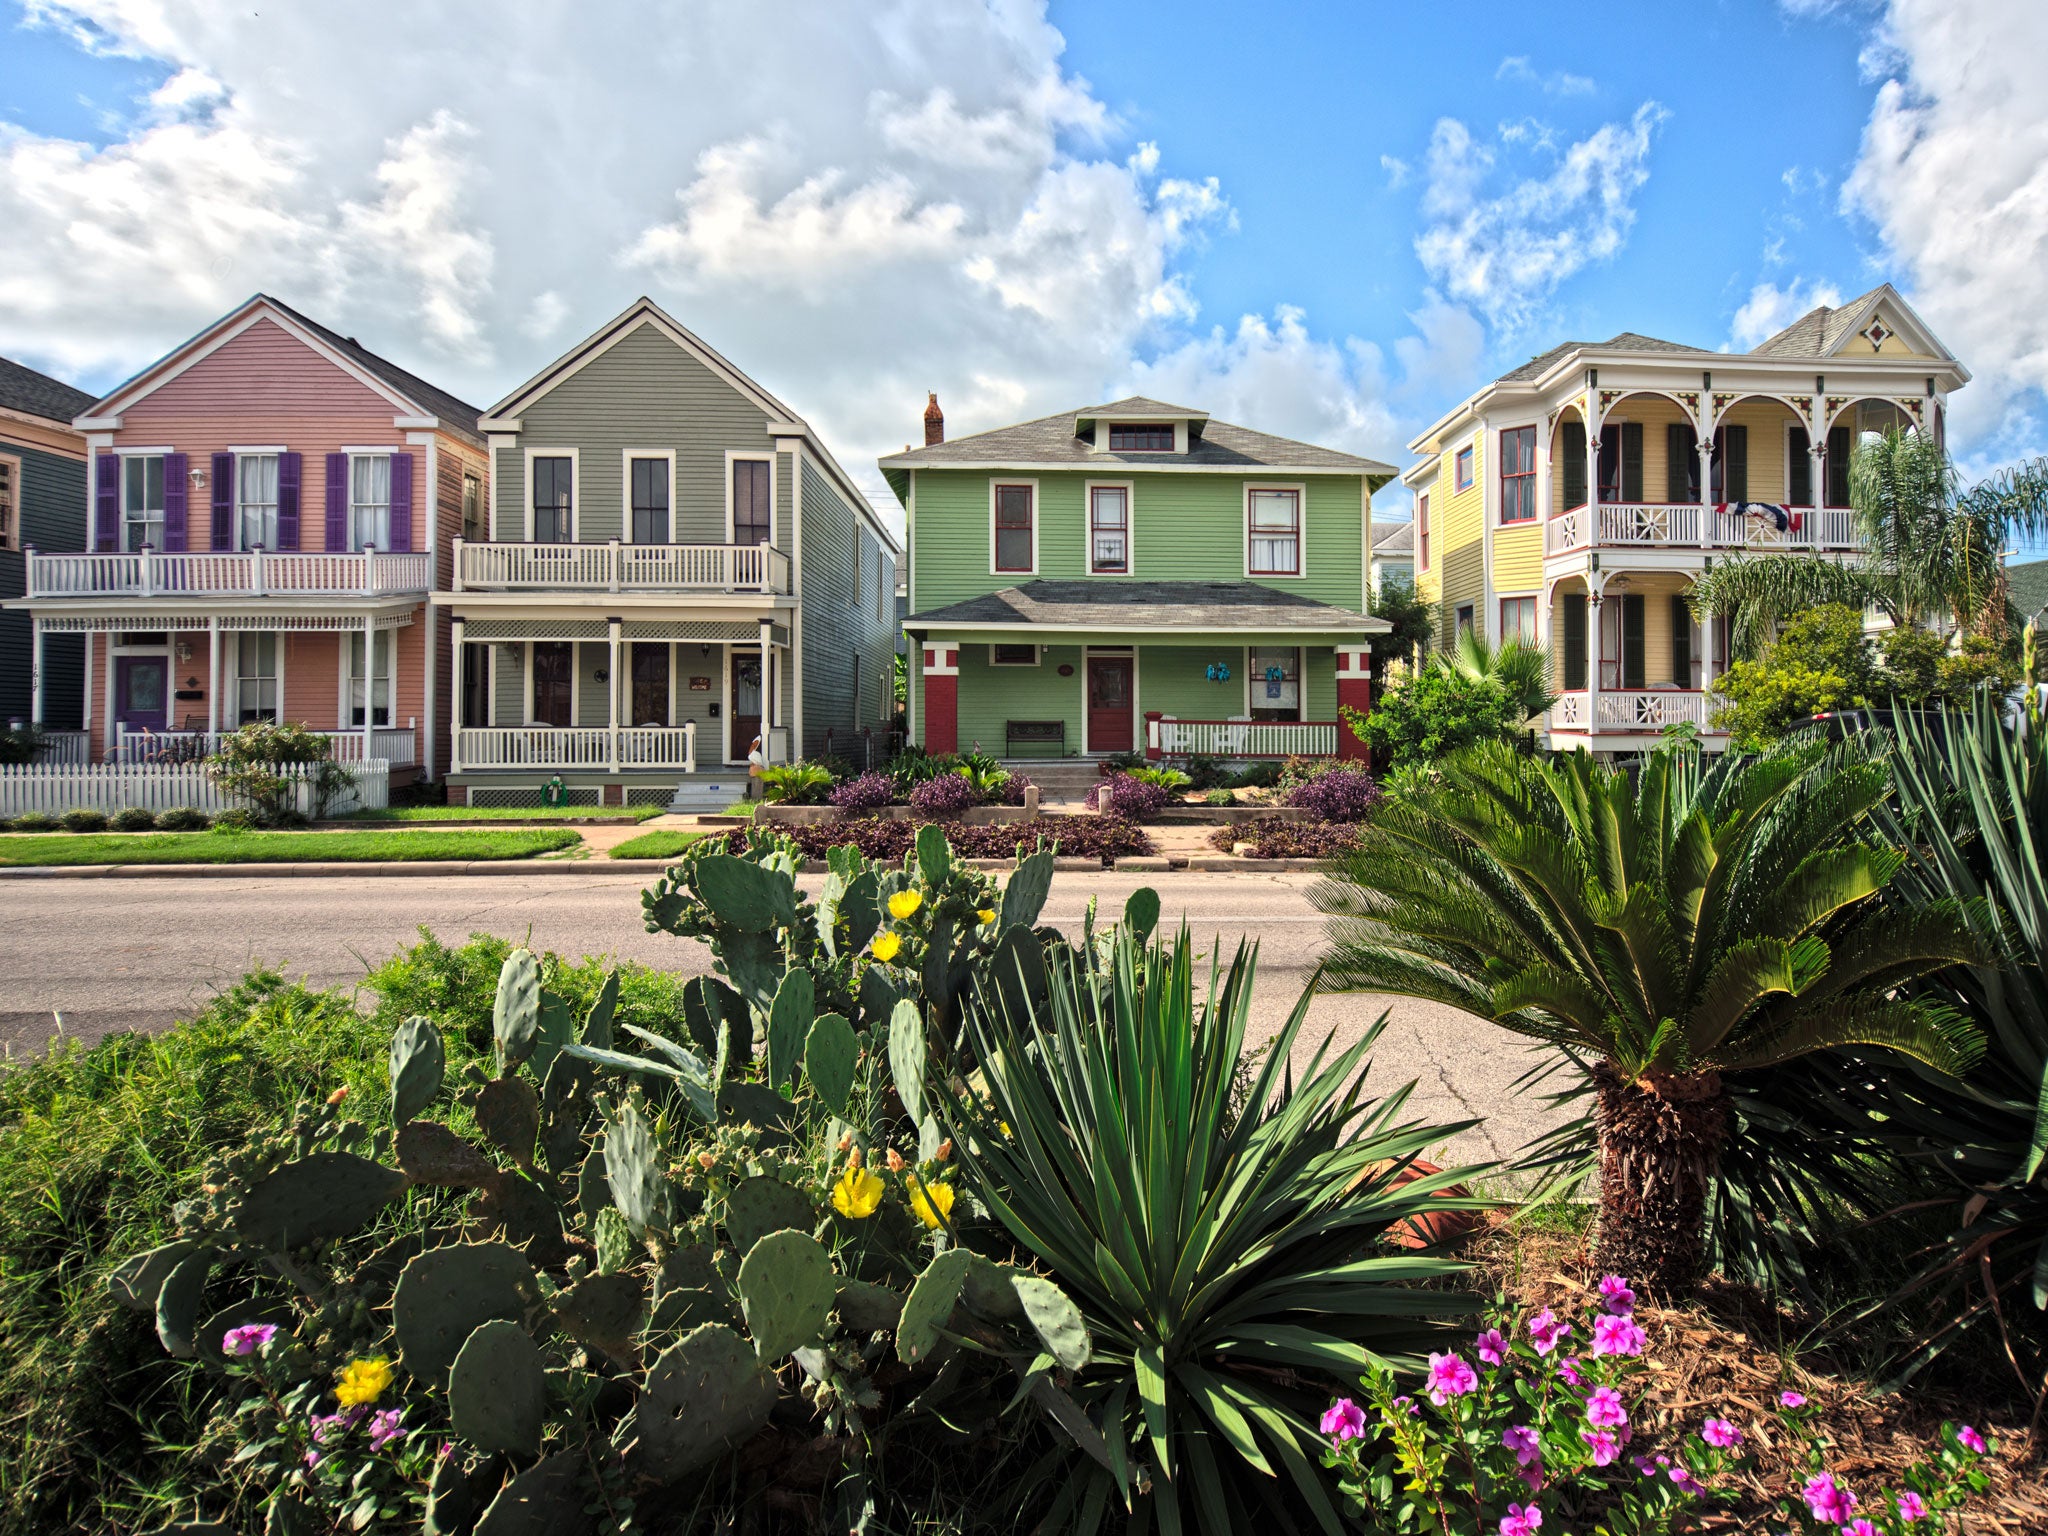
(1122, 605)
(459, 414)
(1627, 341)
(2027, 587)
(37, 394)
(1816, 332)
(1051, 440)
(1393, 538)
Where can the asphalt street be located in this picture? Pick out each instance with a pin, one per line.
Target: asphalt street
(94, 956)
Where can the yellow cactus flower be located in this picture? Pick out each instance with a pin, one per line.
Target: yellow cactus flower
(363, 1382)
(986, 915)
(886, 947)
(904, 903)
(933, 1203)
(857, 1193)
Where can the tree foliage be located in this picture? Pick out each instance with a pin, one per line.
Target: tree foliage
(1434, 711)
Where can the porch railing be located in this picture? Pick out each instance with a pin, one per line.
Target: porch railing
(1631, 709)
(585, 747)
(617, 567)
(245, 573)
(1168, 737)
(395, 745)
(64, 749)
(1679, 525)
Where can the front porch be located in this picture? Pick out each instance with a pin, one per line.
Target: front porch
(1631, 661)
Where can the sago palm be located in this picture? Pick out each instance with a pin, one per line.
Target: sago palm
(1521, 671)
(1666, 929)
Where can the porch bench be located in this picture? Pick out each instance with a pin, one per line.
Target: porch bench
(1036, 733)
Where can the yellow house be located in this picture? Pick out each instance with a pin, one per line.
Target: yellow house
(1574, 500)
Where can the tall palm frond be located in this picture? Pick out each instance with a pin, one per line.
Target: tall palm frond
(1521, 670)
(1758, 593)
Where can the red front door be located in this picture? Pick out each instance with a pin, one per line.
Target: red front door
(1111, 684)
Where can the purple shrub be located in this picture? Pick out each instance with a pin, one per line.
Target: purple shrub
(1014, 786)
(947, 795)
(1341, 794)
(1127, 799)
(868, 792)
(1289, 839)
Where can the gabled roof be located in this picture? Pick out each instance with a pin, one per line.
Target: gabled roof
(1824, 332)
(1137, 407)
(1393, 539)
(1119, 605)
(1627, 341)
(37, 394)
(411, 394)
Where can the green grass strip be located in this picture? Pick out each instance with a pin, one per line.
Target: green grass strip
(278, 847)
(431, 813)
(665, 843)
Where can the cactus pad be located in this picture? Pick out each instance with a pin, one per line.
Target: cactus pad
(516, 1208)
(878, 998)
(760, 1205)
(744, 894)
(633, 1171)
(787, 1290)
(547, 1499)
(498, 1390)
(906, 1057)
(515, 1018)
(604, 1312)
(460, 1485)
(991, 1291)
(755, 962)
(930, 1305)
(326, 1194)
(568, 1098)
(177, 1304)
(508, 1113)
(789, 1020)
(1024, 897)
(831, 1053)
(934, 855)
(868, 1308)
(445, 1294)
(418, 1060)
(1058, 1322)
(704, 1395)
(557, 1028)
(433, 1155)
(136, 1283)
(597, 1023)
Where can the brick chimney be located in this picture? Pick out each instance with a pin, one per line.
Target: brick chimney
(934, 421)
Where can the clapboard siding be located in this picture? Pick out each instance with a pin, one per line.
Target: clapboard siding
(51, 517)
(848, 628)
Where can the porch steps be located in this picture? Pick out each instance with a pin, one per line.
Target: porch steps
(696, 795)
(1060, 780)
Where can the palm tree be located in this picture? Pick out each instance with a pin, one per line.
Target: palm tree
(1660, 931)
(1522, 671)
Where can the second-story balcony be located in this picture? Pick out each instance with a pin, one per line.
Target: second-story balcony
(229, 573)
(1675, 525)
(617, 567)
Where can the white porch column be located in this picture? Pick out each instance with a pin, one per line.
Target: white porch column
(35, 671)
(85, 706)
(1592, 482)
(1706, 443)
(1592, 655)
(370, 685)
(770, 694)
(213, 674)
(612, 683)
(460, 658)
(107, 741)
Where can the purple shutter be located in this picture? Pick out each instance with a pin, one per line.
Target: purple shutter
(288, 500)
(337, 502)
(176, 482)
(106, 502)
(223, 501)
(401, 501)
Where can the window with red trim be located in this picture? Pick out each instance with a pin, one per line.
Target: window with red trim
(1518, 619)
(1013, 528)
(1275, 534)
(1109, 530)
(1517, 475)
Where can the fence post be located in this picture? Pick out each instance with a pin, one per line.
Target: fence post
(1152, 748)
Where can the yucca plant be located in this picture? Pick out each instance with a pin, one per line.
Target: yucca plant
(1667, 929)
(1229, 1252)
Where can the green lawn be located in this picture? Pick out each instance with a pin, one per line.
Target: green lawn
(403, 813)
(277, 847)
(663, 844)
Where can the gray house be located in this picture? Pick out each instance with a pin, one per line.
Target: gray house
(42, 506)
(670, 565)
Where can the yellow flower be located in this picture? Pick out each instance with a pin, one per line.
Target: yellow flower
(363, 1382)
(885, 946)
(932, 1202)
(857, 1193)
(903, 903)
(986, 914)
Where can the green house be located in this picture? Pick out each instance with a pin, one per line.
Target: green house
(1136, 577)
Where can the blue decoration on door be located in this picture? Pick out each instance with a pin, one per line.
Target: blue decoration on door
(1274, 677)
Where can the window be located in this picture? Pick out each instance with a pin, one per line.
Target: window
(1422, 533)
(554, 686)
(1464, 619)
(554, 508)
(369, 500)
(1730, 468)
(752, 502)
(650, 501)
(1274, 678)
(1518, 475)
(1621, 463)
(1013, 655)
(1275, 533)
(1462, 479)
(1016, 541)
(256, 500)
(650, 676)
(377, 685)
(1518, 619)
(142, 502)
(1109, 530)
(1141, 437)
(10, 475)
(256, 687)
(472, 507)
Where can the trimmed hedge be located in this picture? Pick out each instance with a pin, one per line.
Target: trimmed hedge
(1081, 837)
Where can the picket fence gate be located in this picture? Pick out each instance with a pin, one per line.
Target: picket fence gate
(54, 788)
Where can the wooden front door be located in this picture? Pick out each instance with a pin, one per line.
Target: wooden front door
(650, 684)
(1111, 686)
(141, 691)
(553, 683)
(745, 708)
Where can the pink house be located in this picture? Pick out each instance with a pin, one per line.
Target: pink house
(271, 505)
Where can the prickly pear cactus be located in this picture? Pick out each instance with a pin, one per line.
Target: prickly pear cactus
(498, 1390)
(1057, 1321)
(787, 1290)
(633, 1170)
(831, 1053)
(515, 1020)
(705, 1394)
(788, 1021)
(907, 1057)
(418, 1060)
(760, 1205)
(445, 1294)
(323, 1195)
(930, 1305)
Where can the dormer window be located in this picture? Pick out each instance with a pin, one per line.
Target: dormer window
(1141, 437)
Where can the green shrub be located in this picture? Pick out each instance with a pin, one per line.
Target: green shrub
(1219, 797)
(796, 783)
(1259, 775)
(183, 818)
(1172, 780)
(1820, 662)
(1432, 713)
(235, 819)
(33, 821)
(252, 762)
(1205, 772)
(84, 819)
(131, 818)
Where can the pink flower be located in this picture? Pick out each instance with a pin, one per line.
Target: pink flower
(1912, 1506)
(1521, 1439)
(247, 1339)
(1859, 1527)
(1970, 1440)
(1791, 1399)
(384, 1427)
(1449, 1377)
(1521, 1520)
(1604, 1409)
(1829, 1501)
(1491, 1346)
(1618, 1336)
(1644, 1466)
(1616, 1296)
(1547, 1331)
(1532, 1475)
(312, 1459)
(1344, 1420)
(1568, 1368)
(1721, 1434)
(1407, 1405)
(1684, 1481)
(1603, 1444)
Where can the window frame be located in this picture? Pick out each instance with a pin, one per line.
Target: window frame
(244, 456)
(627, 510)
(241, 677)
(1524, 479)
(996, 485)
(472, 507)
(142, 456)
(1151, 428)
(1464, 620)
(575, 491)
(1130, 495)
(1252, 680)
(349, 679)
(10, 502)
(1518, 599)
(735, 456)
(1037, 653)
(356, 456)
(1422, 533)
(1299, 491)
(1464, 468)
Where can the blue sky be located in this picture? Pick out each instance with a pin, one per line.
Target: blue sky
(1327, 220)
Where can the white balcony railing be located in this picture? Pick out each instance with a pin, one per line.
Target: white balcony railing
(396, 745)
(1168, 737)
(242, 573)
(1636, 525)
(616, 567)
(590, 747)
(1631, 709)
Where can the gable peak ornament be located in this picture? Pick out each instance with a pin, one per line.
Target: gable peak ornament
(1877, 333)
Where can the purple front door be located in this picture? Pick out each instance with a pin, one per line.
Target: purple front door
(140, 691)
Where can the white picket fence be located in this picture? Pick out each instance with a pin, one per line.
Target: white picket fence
(54, 788)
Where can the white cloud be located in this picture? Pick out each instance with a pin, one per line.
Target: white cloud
(1770, 308)
(1505, 252)
(1558, 82)
(1396, 169)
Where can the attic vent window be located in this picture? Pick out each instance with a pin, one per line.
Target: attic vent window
(1141, 437)
(1877, 333)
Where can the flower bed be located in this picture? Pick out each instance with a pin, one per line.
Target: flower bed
(1128, 798)
(1288, 839)
(1083, 837)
